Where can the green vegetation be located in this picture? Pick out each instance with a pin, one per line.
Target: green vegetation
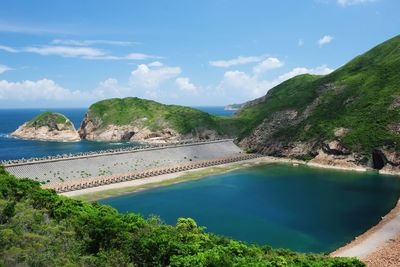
(362, 96)
(49, 119)
(156, 116)
(40, 228)
(294, 94)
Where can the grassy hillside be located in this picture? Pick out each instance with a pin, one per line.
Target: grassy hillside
(155, 116)
(40, 228)
(48, 118)
(362, 96)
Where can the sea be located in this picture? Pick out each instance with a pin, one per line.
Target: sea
(13, 148)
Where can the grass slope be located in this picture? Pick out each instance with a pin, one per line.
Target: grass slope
(362, 97)
(49, 118)
(156, 116)
(40, 228)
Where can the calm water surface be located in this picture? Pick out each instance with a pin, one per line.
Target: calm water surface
(300, 208)
(12, 148)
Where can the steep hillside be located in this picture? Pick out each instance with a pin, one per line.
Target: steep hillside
(349, 117)
(48, 126)
(137, 119)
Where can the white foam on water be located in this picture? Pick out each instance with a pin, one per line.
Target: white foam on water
(4, 135)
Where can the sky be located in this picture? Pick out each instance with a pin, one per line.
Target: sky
(196, 53)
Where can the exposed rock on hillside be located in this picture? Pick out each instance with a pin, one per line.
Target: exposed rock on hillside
(48, 126)
(134, 119)
(348, 118)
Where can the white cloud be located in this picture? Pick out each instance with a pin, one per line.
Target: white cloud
(300, 42)
(155, 64)
(4, 68)
(185, 85)
(345, 3)
(320, 70)
(9, 27)
(33, 90)
(48, 90)
(240, 86)
(66, 51)
(326, 39)
(92, 42)
(236, 61)
(78, 52)
(145, 76)
(140, 56)
(109, 88)
(267, 64)
(8, 49)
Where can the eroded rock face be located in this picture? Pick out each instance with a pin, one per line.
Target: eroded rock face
(343, 161)
(50, 130)
(91, 129)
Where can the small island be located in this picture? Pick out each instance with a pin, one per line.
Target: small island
(233, 107)
(48, 126)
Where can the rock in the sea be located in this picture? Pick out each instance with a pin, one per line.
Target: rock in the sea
(48, 126)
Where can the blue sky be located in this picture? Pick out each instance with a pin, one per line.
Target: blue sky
(198, 53)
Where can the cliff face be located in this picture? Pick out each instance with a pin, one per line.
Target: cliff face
(134, 119)
(349, 118)
(48, 126)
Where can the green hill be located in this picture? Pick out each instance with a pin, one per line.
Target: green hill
(50, 119)
(133, 116)
(40, 228)
(357, 106)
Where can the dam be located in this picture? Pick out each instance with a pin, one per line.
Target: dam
(77, 172)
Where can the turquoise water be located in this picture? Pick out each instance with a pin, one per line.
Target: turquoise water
(300, 208)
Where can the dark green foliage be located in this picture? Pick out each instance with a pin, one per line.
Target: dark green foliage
(40, 228)
(362, 96)
(50, 119)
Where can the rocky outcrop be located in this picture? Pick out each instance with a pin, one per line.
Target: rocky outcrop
(92, 128)
(48, 127)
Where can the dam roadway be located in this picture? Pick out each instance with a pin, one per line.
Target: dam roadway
(77, 172)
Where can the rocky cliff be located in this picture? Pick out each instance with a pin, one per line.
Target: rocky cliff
(349, 118)
(48, 126)
(134, 119)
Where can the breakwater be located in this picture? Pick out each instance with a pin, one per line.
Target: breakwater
(52, 172)
(124, 177)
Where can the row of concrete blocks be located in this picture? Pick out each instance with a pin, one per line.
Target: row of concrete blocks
(117, 178)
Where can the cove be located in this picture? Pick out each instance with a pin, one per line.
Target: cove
(300, 208)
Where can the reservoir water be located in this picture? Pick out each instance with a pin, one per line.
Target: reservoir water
(300, 208)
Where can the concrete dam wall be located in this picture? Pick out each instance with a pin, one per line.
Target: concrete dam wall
(58, 171)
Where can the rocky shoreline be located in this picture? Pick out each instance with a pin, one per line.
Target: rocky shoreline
(380, 245)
